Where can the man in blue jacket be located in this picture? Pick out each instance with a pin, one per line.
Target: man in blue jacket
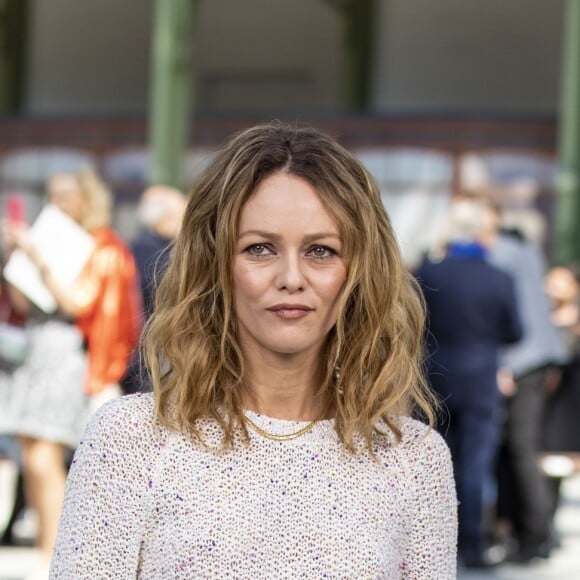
(472, 311)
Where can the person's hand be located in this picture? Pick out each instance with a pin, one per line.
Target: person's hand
(553, 380)
(9, 236)
(506, 383)
(16, 235)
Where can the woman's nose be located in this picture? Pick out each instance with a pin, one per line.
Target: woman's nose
(290, 275)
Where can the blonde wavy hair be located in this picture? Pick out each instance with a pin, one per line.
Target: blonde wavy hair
(371, 366)
(98, 198)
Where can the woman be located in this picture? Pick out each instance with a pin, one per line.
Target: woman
(46, 404)
(561, 431)
(285, 353)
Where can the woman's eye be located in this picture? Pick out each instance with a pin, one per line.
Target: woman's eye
(258, 250)
(321, 252)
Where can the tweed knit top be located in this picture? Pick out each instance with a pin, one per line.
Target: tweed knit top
(143, 502)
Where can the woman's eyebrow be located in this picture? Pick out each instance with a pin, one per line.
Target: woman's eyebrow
(274, 236)
(261, 233)
(321, 235)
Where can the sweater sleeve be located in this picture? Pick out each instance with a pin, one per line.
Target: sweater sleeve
(431, 542)
(107, 494)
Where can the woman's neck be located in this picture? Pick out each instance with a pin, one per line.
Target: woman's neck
(283, 389)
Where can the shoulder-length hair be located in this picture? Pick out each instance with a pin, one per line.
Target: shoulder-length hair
(371, 366)
(98, 197)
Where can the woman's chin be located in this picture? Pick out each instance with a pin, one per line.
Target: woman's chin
(292, 348)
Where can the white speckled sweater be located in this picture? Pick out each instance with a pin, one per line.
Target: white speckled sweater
(143, 502)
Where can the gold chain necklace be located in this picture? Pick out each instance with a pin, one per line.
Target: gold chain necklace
(274, 436)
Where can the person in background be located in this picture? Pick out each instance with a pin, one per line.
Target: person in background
(159, 212)
(530, 368)
(77, 355)
(564, 293)
(286, 357)
(561, 427)
(11, 483)
(472, 311)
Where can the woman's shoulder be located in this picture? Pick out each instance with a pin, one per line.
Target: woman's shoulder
(417, 434)
(418, 440)
(140, 406)
(130, 416)
(122, 440)
(423, 457)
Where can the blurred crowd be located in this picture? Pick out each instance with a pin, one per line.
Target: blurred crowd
(65, 355)
(503, 346)
(503, 337)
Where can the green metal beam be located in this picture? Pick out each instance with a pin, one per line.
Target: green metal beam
(358, 36)
(171, 79)
(12, 54)
(568, 209)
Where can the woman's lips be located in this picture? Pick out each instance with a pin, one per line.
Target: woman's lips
(290, 311)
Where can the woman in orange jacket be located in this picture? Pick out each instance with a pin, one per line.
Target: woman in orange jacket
(78, 354)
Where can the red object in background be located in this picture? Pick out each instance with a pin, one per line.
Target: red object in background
(15, 210)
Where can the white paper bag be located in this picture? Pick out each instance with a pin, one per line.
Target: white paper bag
(64, 247)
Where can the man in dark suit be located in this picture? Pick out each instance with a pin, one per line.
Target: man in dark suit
(472, 311)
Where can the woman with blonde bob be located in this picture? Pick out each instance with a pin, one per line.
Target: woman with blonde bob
(286, 353)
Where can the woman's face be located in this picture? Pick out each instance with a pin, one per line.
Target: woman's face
(289, 268)
(65, 193)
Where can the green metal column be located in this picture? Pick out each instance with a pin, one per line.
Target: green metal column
(568, 210)
(171, 78)
(358, 21)
(13, 28)
(359, 36)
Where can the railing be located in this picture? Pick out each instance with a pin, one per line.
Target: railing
(453, 134)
